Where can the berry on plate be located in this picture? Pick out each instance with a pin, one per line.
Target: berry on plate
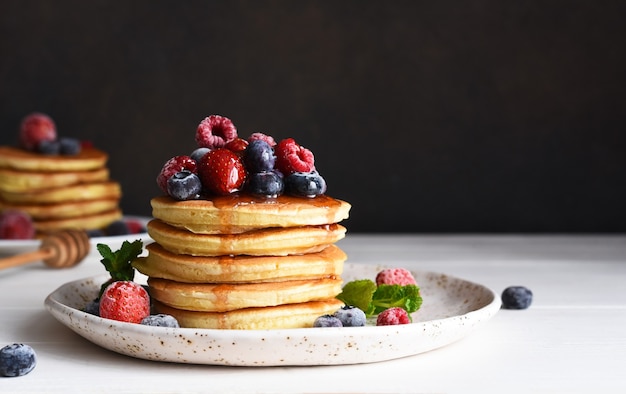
(516, 297)
(395, 276)
(174, 165)
(221, 171)
(160, 320)
(392, 316)
(215, 131)
(291, 157)
(327, 321)
(16, 224)
(17, 360)
(350, 316)
(34, 129)
(125, 301)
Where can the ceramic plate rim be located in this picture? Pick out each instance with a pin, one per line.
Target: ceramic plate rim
(83, 324)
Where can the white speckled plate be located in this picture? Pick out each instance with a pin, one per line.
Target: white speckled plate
(452, 308)
(9, 247)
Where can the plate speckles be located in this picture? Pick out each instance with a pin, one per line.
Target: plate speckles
(452, 309)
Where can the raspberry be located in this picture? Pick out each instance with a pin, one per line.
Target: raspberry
(392, 317)
(16, 224)
(215, 132)
(291, 157)
(17, 360)
(221, 172)
(125, 301)
(516, 297)
(35, 128)
(264, 137)
(174, 165)
(395, 276)
(135, 226)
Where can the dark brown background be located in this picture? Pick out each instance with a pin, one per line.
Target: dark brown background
(481, 116)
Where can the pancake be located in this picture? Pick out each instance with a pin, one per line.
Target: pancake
(236, 213)
(159, 263)
(21, 181)
(91, 191)
(23, 160)
(263, 242)
(63, 210)
(267, 318)
(85, 222)
(221, 297)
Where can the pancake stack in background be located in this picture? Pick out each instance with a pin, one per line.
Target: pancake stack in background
(59, 182)
(237, 256)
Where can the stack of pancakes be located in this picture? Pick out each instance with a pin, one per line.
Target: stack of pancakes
(59, 191)
(240, 262)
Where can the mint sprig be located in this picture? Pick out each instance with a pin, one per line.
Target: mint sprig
(119, 263)
(373, 299)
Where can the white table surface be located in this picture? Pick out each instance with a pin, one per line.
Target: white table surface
(571, 339)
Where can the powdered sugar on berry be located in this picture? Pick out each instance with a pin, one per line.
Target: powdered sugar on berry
(395, 276)
(215, 131)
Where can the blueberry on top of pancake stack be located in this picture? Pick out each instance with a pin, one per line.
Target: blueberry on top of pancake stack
(244, 234)
(59, 181)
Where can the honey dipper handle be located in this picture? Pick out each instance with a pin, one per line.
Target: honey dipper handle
(24, 258)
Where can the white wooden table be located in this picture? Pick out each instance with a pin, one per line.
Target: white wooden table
(571, 339)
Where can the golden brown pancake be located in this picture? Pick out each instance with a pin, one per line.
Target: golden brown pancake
(236, 213)
(222, 297)
(266, 318)
(20, 181)
(20, 159)
(91, 191)
(159, 263)
(86, 222)
(263, 242)
(63, 210)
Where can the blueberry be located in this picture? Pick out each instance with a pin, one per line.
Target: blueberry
(199, 153)
(350, 316)
(305, 184)
(17, 360)
(93, 307)
(160, 320)
(69, 146)
(118, 227)
(327, 321)
(48, 147)
(93, 233)
(516, 297)
(184, 185)
(259, 156)
(266, 184)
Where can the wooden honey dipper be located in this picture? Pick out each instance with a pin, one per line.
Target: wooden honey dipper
(62, 249)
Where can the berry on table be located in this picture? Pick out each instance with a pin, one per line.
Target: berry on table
(15, 224)
(327, 321)
(215, 131)
(222, 172)
(184, 185)
(350, 316)
(395, 276)
(34, 129)
(174, 165)
(516, 297)
(310, 184)
(160, 320)
(392, 317)
(259, 156)
(265, 184)
(125, 301)
(17, 360)
(291, 157)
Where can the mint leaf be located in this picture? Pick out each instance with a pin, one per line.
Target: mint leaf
(118, 263)
(389, 296)
(358, 293)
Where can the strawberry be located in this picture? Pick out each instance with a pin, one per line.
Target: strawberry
(35, 128)
(125, 301)
(221, 171)
(291, 157)
(172, 166)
